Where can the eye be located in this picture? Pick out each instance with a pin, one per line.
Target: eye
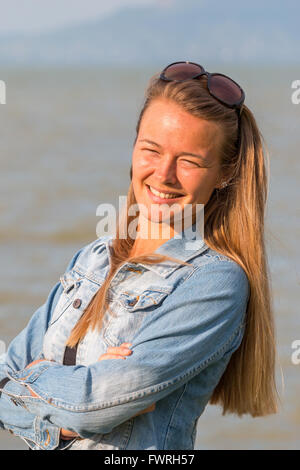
(190, 163)
(150, 150)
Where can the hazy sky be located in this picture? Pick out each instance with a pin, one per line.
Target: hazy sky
(37, 15)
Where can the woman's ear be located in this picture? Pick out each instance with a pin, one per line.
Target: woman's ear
(222, 184)
(223, 180)
(219, 181)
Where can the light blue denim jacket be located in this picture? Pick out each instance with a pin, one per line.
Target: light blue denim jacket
(184, 323)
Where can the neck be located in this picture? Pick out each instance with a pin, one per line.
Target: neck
(150, 236)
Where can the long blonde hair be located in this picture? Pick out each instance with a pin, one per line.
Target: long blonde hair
(233, 226)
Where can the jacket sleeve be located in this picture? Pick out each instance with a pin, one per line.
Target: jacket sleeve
(199, 323)
(24, 349)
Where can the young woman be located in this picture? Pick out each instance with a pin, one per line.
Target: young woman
(190, 314)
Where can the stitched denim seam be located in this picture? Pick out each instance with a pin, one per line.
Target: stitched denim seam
(127, 434)
(91, 277)
(211, 261)
(172, 414)
(219, 256)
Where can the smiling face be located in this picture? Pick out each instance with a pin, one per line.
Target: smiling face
(175, 159)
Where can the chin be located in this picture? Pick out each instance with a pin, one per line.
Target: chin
(164, 216)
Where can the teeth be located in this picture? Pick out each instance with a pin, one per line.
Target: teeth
(163, 195)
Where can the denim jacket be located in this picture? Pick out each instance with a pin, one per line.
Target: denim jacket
(184, 323)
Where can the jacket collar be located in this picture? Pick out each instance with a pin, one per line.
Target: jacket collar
(183, 246)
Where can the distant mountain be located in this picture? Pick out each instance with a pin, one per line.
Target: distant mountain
(227, 31)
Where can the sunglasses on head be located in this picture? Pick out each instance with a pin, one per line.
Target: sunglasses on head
(221, 87)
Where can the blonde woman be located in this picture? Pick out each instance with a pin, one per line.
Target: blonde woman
(142, 332)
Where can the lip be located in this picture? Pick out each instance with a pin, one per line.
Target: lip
(160, 199)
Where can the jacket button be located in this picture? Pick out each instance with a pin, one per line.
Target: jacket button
(77, 303)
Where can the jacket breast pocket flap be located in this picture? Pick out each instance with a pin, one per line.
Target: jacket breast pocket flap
(70, 281)
(146, 299)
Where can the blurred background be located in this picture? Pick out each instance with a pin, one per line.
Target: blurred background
(75, 74)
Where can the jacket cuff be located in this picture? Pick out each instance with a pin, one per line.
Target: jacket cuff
(30, 374)
(39, 433)
(47, 436)
(42, 436)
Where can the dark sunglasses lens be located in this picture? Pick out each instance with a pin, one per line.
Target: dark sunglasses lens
(182, 71)
(225, 89)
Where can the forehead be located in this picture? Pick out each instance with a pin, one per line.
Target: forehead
(164, 119)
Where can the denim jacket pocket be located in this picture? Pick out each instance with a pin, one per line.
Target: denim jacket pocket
(151, 297)
(70, 282)
(129, 310)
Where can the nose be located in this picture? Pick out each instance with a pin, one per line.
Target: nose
(166, 171)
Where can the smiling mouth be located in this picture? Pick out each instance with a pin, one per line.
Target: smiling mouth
(163, 195)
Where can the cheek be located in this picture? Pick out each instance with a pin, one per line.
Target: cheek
(192, 181)
(141, 166)
(198, 184)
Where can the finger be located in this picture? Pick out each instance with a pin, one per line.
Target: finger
(150, 408)
(110, 356)
(34, 362)
(146, 410)
(123, 345)
(119, 350)
(32, 393)
(67, 433)
(68, 438)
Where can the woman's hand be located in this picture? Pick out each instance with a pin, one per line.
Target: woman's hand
(117, 352)
(66, 435)
(29, 365)
(35, 362)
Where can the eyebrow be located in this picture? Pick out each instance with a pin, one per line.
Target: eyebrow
(180, 154)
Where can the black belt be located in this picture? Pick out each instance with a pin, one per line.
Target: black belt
(70, 356)
(3, 382)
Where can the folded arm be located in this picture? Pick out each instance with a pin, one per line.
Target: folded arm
(26, 347)
(198, 324)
